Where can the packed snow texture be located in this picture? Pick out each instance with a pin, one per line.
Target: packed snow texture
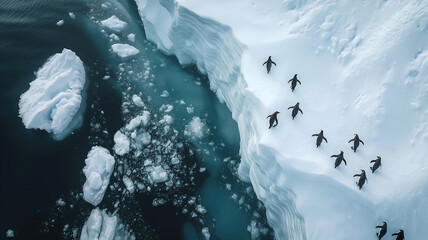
(114, 23)
(102, 226)
(98, 169)
(124, 50)
(54, 101)
(363, 68)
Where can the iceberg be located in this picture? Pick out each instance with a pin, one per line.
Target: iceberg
(114, 23)
(124, 50)
(102, 226)
(98, 169)
(363, 70)
(55, 100)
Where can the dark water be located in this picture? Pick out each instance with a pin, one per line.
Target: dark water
(36, 171)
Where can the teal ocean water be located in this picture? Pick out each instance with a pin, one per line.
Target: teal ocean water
(41, 179)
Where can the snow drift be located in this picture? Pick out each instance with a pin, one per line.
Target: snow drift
(54, 101)
(363, 67)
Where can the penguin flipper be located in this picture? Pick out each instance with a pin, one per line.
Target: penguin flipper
(325, 139)
(274, 63)
(344, 161)
(372, 161)
(269, 116)
(290, 80)
(362, 142)
(290, 107)
(334, 156)
(301, 110)
(351, 140)
(357, 175)
(314, 135)
(299, 82)
(264, 63)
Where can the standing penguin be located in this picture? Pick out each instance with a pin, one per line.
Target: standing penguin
(269, 64)
(357, 141)
(400, 235)
(273, 119)
(382, 230)
(294, 82)
(339, 159)
(362, 179)
(296, 109)
(376, 164)
(320, 137)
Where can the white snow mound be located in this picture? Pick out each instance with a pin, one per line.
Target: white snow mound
(363, 67)
(98, 169)
(55, 97)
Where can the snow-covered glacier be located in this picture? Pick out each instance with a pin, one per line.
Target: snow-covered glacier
(363, 67)
(55, 100)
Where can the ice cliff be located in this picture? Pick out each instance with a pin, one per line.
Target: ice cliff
(54, 101)
(363, 67)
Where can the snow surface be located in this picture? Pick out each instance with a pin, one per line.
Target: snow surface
(98, 169)
(114, 23)
(124, 50)
(103, 226)
(54, 101)
(363, 67)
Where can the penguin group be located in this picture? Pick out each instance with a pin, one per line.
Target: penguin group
(273, 122)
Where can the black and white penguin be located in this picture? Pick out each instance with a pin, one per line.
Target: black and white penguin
(377, 164)
(269, 64)
(294, 82)
(320, 137)
(362, 179)
(339, 158)
(273, 121)
(382, 230)
(296, 109)
(357, 141)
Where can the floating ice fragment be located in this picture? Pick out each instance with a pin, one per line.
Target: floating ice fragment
(60, 23)
(98, 169)
(128, 184)
(165, 93)
(121, 145)
(54, 100)
(131, 37)
(114, 23)
(195, 128)
(124, 50)
(137, 101)
(158, 174)
(72, 15)
(10, 233)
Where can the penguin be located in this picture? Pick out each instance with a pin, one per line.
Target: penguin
(382, 230)
(273, 119)
(357, 141)
(362, 179)
(339, 159)
(294, 82)
(400, 235)
(376, 165)
(320, 137)
(269, 64)
(296, 109)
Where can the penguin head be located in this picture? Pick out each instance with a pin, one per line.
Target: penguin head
(276, 112)
(297, 103)
(378, 157)
(269, 57)
(401, 230)
(363, 171)
(322, 130)
(341, 151)
(384, 223)
(295, 75)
